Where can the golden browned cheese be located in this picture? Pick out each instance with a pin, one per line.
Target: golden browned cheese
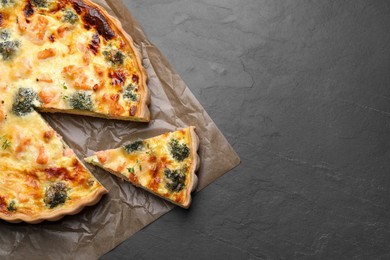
(74, 57)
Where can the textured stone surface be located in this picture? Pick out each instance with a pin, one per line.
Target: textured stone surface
(301, 90)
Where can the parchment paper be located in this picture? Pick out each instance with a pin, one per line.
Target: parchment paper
(126, 209)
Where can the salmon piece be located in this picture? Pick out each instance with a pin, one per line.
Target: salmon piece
(114, 108)
(22, 23)
(64, 28)
(35, 28)
(48, 135)
(69, 71)
(42, 158)
(47, 95)
(39, 26)
(23, 143)
(46, 53)
(121, 167)
(2, 114)
(79, 78)
(102, 156)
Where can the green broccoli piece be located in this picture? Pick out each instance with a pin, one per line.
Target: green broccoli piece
(7, 2)
(24, 101)
(116, 57)
(70, 17)
(178, 151)
(134, 146)
(81, 101)
(55, 195)
(175, 180)
(5, 35)
(11, 206)
(40, 3)
(129, 93)
(8, 49)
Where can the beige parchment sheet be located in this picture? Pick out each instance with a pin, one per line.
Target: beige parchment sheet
(126, 209)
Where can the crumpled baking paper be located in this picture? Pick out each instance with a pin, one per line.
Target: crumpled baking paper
(126, 209)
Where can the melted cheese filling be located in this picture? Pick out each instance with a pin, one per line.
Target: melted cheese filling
(56, 60)
(146, 167)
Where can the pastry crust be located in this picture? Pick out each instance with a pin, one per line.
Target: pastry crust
(155, 160)
(59, 213)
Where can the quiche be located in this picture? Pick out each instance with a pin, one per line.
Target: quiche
(164, 165)
(67, 56)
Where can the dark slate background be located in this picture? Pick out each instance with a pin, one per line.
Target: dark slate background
(301, 89)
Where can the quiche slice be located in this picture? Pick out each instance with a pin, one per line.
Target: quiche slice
(40, 177)
(164, 165)
(74, 57)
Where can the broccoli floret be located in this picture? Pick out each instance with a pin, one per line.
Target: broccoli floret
(70, 17)
(5, 35)
(175, 180)
(11, 206)
(178, 151)
(116, 57)
(129, 93)
(134, 146)
(8, 49)
(81, 101)
(40, 3)
(7, 2)
(55, 195)
(24, 101)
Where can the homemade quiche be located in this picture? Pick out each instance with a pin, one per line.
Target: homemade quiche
(164, 165)
(65, 56)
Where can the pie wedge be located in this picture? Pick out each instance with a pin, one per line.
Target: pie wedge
(40, 177)
(164, 165)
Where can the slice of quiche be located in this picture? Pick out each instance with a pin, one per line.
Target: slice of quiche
(40, 177)
(164, 165)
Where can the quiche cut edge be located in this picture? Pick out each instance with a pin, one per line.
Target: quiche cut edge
(195, 159)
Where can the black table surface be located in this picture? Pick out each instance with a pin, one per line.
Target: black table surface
(301, 89)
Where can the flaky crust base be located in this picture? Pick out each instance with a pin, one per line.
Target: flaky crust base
(194, 167)
(58, 213)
